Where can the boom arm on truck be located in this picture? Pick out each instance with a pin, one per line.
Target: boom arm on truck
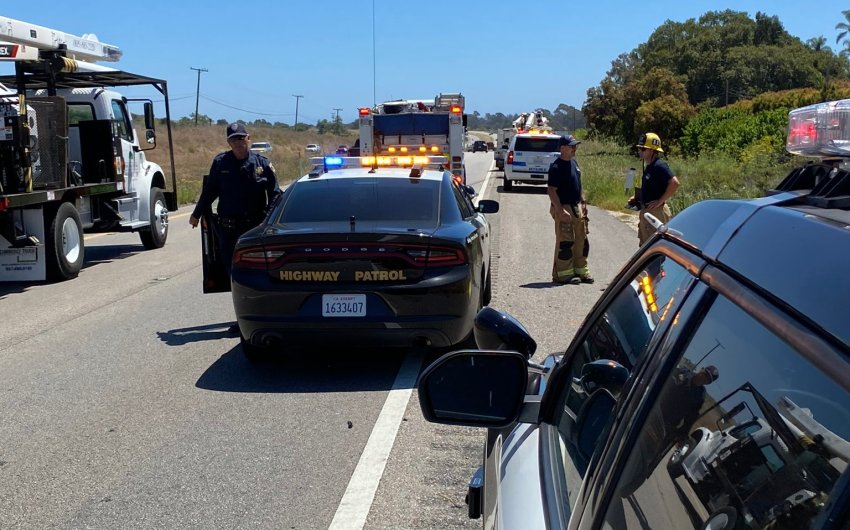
(70, 159)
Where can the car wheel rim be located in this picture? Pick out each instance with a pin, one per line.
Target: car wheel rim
(718, 522)
(70, 240)
(160, 218)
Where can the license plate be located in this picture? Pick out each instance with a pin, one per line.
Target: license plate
(343, 305)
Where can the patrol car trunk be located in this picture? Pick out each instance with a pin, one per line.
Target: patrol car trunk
(367, 254)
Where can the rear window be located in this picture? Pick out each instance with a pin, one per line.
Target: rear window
(547, 145)
(367, 199)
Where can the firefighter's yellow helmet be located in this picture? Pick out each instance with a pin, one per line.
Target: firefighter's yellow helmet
(650, 141)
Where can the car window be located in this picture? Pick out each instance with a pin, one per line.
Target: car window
(467, 210)
(548, 145)
(78, 112)
(121, 120)
(622, 334)
(686, 471)
(366, 199)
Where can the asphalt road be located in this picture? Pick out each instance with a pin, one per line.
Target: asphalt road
(127, 405)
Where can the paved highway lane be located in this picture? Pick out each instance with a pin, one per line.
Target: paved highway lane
(126, 404)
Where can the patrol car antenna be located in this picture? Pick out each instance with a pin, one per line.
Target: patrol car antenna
(351, 222)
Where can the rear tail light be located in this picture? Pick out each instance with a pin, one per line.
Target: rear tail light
(510, 158)
(437, 256)
(256, 257)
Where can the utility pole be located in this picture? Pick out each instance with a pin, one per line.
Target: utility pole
(297, 99)
(198, 91)
(336, 122)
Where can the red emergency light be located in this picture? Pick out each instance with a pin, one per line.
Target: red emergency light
(363, 111)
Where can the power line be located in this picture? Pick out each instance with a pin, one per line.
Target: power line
(198, 91)
(258, 113)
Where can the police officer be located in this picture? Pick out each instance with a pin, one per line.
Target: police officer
(245, 185)
(569, 210)
(658, 184)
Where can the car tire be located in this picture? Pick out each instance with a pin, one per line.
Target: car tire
(508, 185)
(488, 289)
(725, 518)
(156, 233)
(64, 245)
(252, 352)
(674, 466)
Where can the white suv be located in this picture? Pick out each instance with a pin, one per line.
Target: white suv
(529, 157)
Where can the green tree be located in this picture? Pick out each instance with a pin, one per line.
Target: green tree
(843, 36)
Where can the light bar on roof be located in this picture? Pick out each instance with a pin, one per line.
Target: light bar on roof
(820, 130)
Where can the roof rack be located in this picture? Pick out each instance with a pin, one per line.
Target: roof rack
(828, 186)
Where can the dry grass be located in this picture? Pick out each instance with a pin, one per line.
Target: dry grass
(195, 148)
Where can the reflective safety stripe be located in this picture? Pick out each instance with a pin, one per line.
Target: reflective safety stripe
(581, 271)
(568, 272)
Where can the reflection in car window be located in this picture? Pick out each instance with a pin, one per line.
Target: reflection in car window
(621, 334)
(686, 470)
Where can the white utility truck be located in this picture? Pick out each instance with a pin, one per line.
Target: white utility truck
(70, 158)
(433, 127)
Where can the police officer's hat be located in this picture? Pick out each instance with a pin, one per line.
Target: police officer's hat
(236, 129)
(569, 140)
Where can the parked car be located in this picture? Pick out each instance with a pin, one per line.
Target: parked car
(313, 148)
(491, 146)
(261, 147)
(711, 318)
(342, 150)
(479, 145)
(354, 254)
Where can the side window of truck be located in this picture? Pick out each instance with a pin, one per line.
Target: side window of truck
(746, 433)
(121, 118)
(78, 112)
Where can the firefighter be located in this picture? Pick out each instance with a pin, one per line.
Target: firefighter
(245, 185)
(658, 184)
(568, 208)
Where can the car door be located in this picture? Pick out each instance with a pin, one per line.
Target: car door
(737, 359)
(215, 278)
(630, 318)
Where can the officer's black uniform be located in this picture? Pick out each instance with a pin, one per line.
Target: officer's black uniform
(245, 189)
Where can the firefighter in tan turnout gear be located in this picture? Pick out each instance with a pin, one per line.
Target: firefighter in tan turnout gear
(569, 210)
(658, 184)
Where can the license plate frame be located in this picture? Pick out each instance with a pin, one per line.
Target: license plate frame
(343, 305)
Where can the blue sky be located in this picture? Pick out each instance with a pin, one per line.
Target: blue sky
(503, 56)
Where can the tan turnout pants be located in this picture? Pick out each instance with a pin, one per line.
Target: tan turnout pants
(571, 246)
(645, 230)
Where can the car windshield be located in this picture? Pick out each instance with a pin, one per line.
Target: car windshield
(548, 145)
(378, 199)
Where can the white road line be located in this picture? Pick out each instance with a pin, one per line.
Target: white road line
(357, 500)
(486, 181)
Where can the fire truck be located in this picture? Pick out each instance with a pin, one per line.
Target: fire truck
(70, 158)
(434, 127)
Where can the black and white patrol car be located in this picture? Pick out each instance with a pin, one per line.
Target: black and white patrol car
(375, 253)
(709, 388)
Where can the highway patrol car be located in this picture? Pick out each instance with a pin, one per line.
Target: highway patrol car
(372, 249)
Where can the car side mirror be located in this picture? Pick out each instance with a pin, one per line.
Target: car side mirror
(592, 420)
(603, 373)
(474, 388)
(150, 122)
(495, 330)
(150, 136)
(488, 206)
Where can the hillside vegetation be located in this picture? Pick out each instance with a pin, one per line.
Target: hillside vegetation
(196, 146)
